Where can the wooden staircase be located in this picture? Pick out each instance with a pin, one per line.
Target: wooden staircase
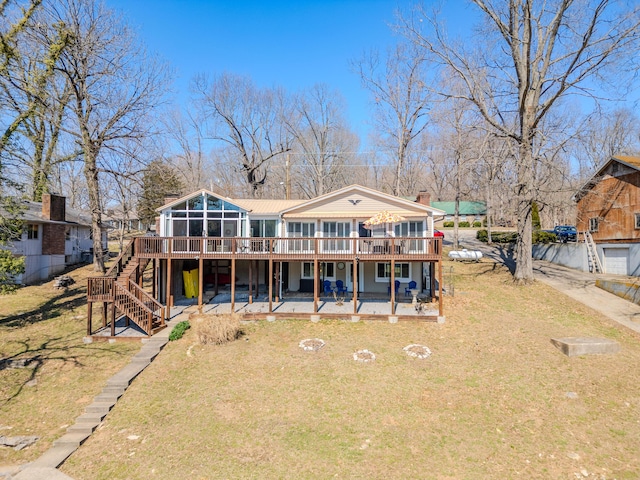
(595, 266)
(128, 295)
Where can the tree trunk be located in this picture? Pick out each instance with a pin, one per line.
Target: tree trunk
(91, 176)
(524, 265)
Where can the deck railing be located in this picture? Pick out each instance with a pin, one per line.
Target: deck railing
(212, 247)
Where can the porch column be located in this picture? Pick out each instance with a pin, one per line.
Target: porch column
(393, 286)
(233, 284)
(432, 280)
(277, 278)
(250, 282)
(154, 285)
(200, 278)
(89, 317)
(440, 304)
(113, 319)
(315, 285)
(270, 284)
(355, 286)
(169, 284)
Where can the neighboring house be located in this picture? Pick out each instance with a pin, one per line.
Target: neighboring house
(468, 211)
(298, 244)
(116, 219)
(608, 206)
(53, 238)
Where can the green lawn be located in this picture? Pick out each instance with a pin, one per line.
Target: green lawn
(491, 402)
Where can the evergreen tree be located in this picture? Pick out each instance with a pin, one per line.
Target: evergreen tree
(159, 181)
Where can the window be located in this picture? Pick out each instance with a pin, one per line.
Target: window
(327, 271)
(301, 230)
(409, 229)
(263, 228)
(593, 224)
(402, 273)
(637, 215)
(32, 231)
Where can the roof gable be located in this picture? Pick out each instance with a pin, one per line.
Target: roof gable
(359, 202)
(196, 194)
(629, 163)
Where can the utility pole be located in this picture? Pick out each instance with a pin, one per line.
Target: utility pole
(287, 184)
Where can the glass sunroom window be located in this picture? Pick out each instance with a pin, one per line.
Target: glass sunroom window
(206, 215)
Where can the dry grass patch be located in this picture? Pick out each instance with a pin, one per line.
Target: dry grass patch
(43, 328)
(216, 329)
(490, 402)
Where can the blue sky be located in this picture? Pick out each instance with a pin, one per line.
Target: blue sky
(294, 44)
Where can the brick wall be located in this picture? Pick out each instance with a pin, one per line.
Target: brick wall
(53, 238)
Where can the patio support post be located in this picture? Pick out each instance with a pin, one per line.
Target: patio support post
(216, 277)
(270, 284)
(250, 282)
(355, 286)
(315, 285)
(89, 315)
(169, 283)
(104, 314)
(432, 279)
(233, 284)
(200, 278)
(113, 319)
(440, 305)
(393, 286)
(154, 286)
(277, 278)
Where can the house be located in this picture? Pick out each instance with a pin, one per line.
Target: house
(608, 207)
(467, 211)
(283, 247)
(53, 238)
(116, 219)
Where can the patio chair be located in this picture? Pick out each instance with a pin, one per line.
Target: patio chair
(412, 286)
(396, 285)
(327, 287)
(340, 288)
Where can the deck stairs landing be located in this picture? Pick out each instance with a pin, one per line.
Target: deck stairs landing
(595, 266)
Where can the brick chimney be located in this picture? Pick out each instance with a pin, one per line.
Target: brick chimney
(54, 207)
(171, 198)
(424, 198)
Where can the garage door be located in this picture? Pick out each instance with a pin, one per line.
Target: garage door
(616, 261)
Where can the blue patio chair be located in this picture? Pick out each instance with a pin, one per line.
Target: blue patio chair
(327, 287)
(397, 287)
(412, 286)
(340, 288)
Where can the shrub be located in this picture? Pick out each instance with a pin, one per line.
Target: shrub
(464, 224)
(178, 330)
(216, 329)
(447, 224)
(497, 237)
(540, 236)
(477, 224)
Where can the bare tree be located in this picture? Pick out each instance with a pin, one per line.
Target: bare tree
(529, 55)
(247, 120)
(605, 134)
(323, 143)
(115, 85)
(401, 99)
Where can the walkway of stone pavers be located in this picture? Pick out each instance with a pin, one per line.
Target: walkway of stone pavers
(45, 467)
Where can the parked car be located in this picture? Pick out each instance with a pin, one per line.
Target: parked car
(438, 233)
(566, 233)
